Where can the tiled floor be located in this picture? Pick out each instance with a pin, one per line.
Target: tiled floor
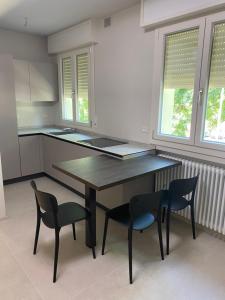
(193, 270)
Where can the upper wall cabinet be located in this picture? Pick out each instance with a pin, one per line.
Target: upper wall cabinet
(43, 82)
(22, 81)
(35, 81)
(159, 12)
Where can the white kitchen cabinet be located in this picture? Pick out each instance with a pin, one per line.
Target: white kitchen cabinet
(22, 80)
(55, 151)
(9, 146)
(35, 81)
(43, 82)
(31, 154)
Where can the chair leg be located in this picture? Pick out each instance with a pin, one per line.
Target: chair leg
(91, 236)
(168, 232)
(56, 253)
(163, 214)
(193, 221)
(105, 234)
(37, 234)
(74, 232)
(130, 254)
(160, 239)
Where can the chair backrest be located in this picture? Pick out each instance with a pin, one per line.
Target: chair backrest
(146, 203)
(47, 202)
(183, 187)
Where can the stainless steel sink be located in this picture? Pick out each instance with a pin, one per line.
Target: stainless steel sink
(63, 131)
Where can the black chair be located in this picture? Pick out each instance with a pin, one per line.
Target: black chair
(139, 214)
(56, 216)
(174, 200)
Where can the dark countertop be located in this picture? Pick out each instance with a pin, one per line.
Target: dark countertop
(101, 172)
(124, 151)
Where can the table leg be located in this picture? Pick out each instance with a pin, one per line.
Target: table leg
(154, 183)
(90, 204)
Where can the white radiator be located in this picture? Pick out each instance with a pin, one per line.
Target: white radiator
(210, 193)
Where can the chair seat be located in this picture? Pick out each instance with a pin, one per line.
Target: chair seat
(121, 214)
(177, 203)
(68, 213)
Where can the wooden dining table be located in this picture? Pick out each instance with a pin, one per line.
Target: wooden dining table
(102, 172)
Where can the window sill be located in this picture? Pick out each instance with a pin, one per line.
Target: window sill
(197, 152)
(78, 124)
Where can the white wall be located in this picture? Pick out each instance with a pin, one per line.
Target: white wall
(123, 76)
(34, 48)
(23, 46)
(2, 199)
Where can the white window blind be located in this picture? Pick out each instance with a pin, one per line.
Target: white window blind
(180, 59)
(214, 128)
(82, 104)
(217, 72)
(67, 86)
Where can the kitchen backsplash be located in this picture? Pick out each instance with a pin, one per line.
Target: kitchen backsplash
(35, 114)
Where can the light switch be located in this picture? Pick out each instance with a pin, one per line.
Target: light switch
(94, 122)
(145, 130)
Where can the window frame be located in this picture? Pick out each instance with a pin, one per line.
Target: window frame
(159, 59)
(211, 21)
(73, 54)
(197, 143)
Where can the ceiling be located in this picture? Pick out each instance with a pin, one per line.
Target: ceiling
(48, 16)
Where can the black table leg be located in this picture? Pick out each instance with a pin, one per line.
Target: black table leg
(90, 204)
(154, 182)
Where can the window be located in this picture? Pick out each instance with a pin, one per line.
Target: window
(190, 82)
(214, 125)
(178, 86)
(75, 87)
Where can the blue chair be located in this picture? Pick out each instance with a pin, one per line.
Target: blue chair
(175, 200)
(142, 211)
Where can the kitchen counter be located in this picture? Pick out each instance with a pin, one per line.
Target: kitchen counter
(123, 151)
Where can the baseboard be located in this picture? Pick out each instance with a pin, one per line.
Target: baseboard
(65, 185)
(42, 174)
(23, 178)
(103, 207)
(200, 227)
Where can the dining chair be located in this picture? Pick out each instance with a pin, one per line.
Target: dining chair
(56, 216)
(175, 200)
(139, 214)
